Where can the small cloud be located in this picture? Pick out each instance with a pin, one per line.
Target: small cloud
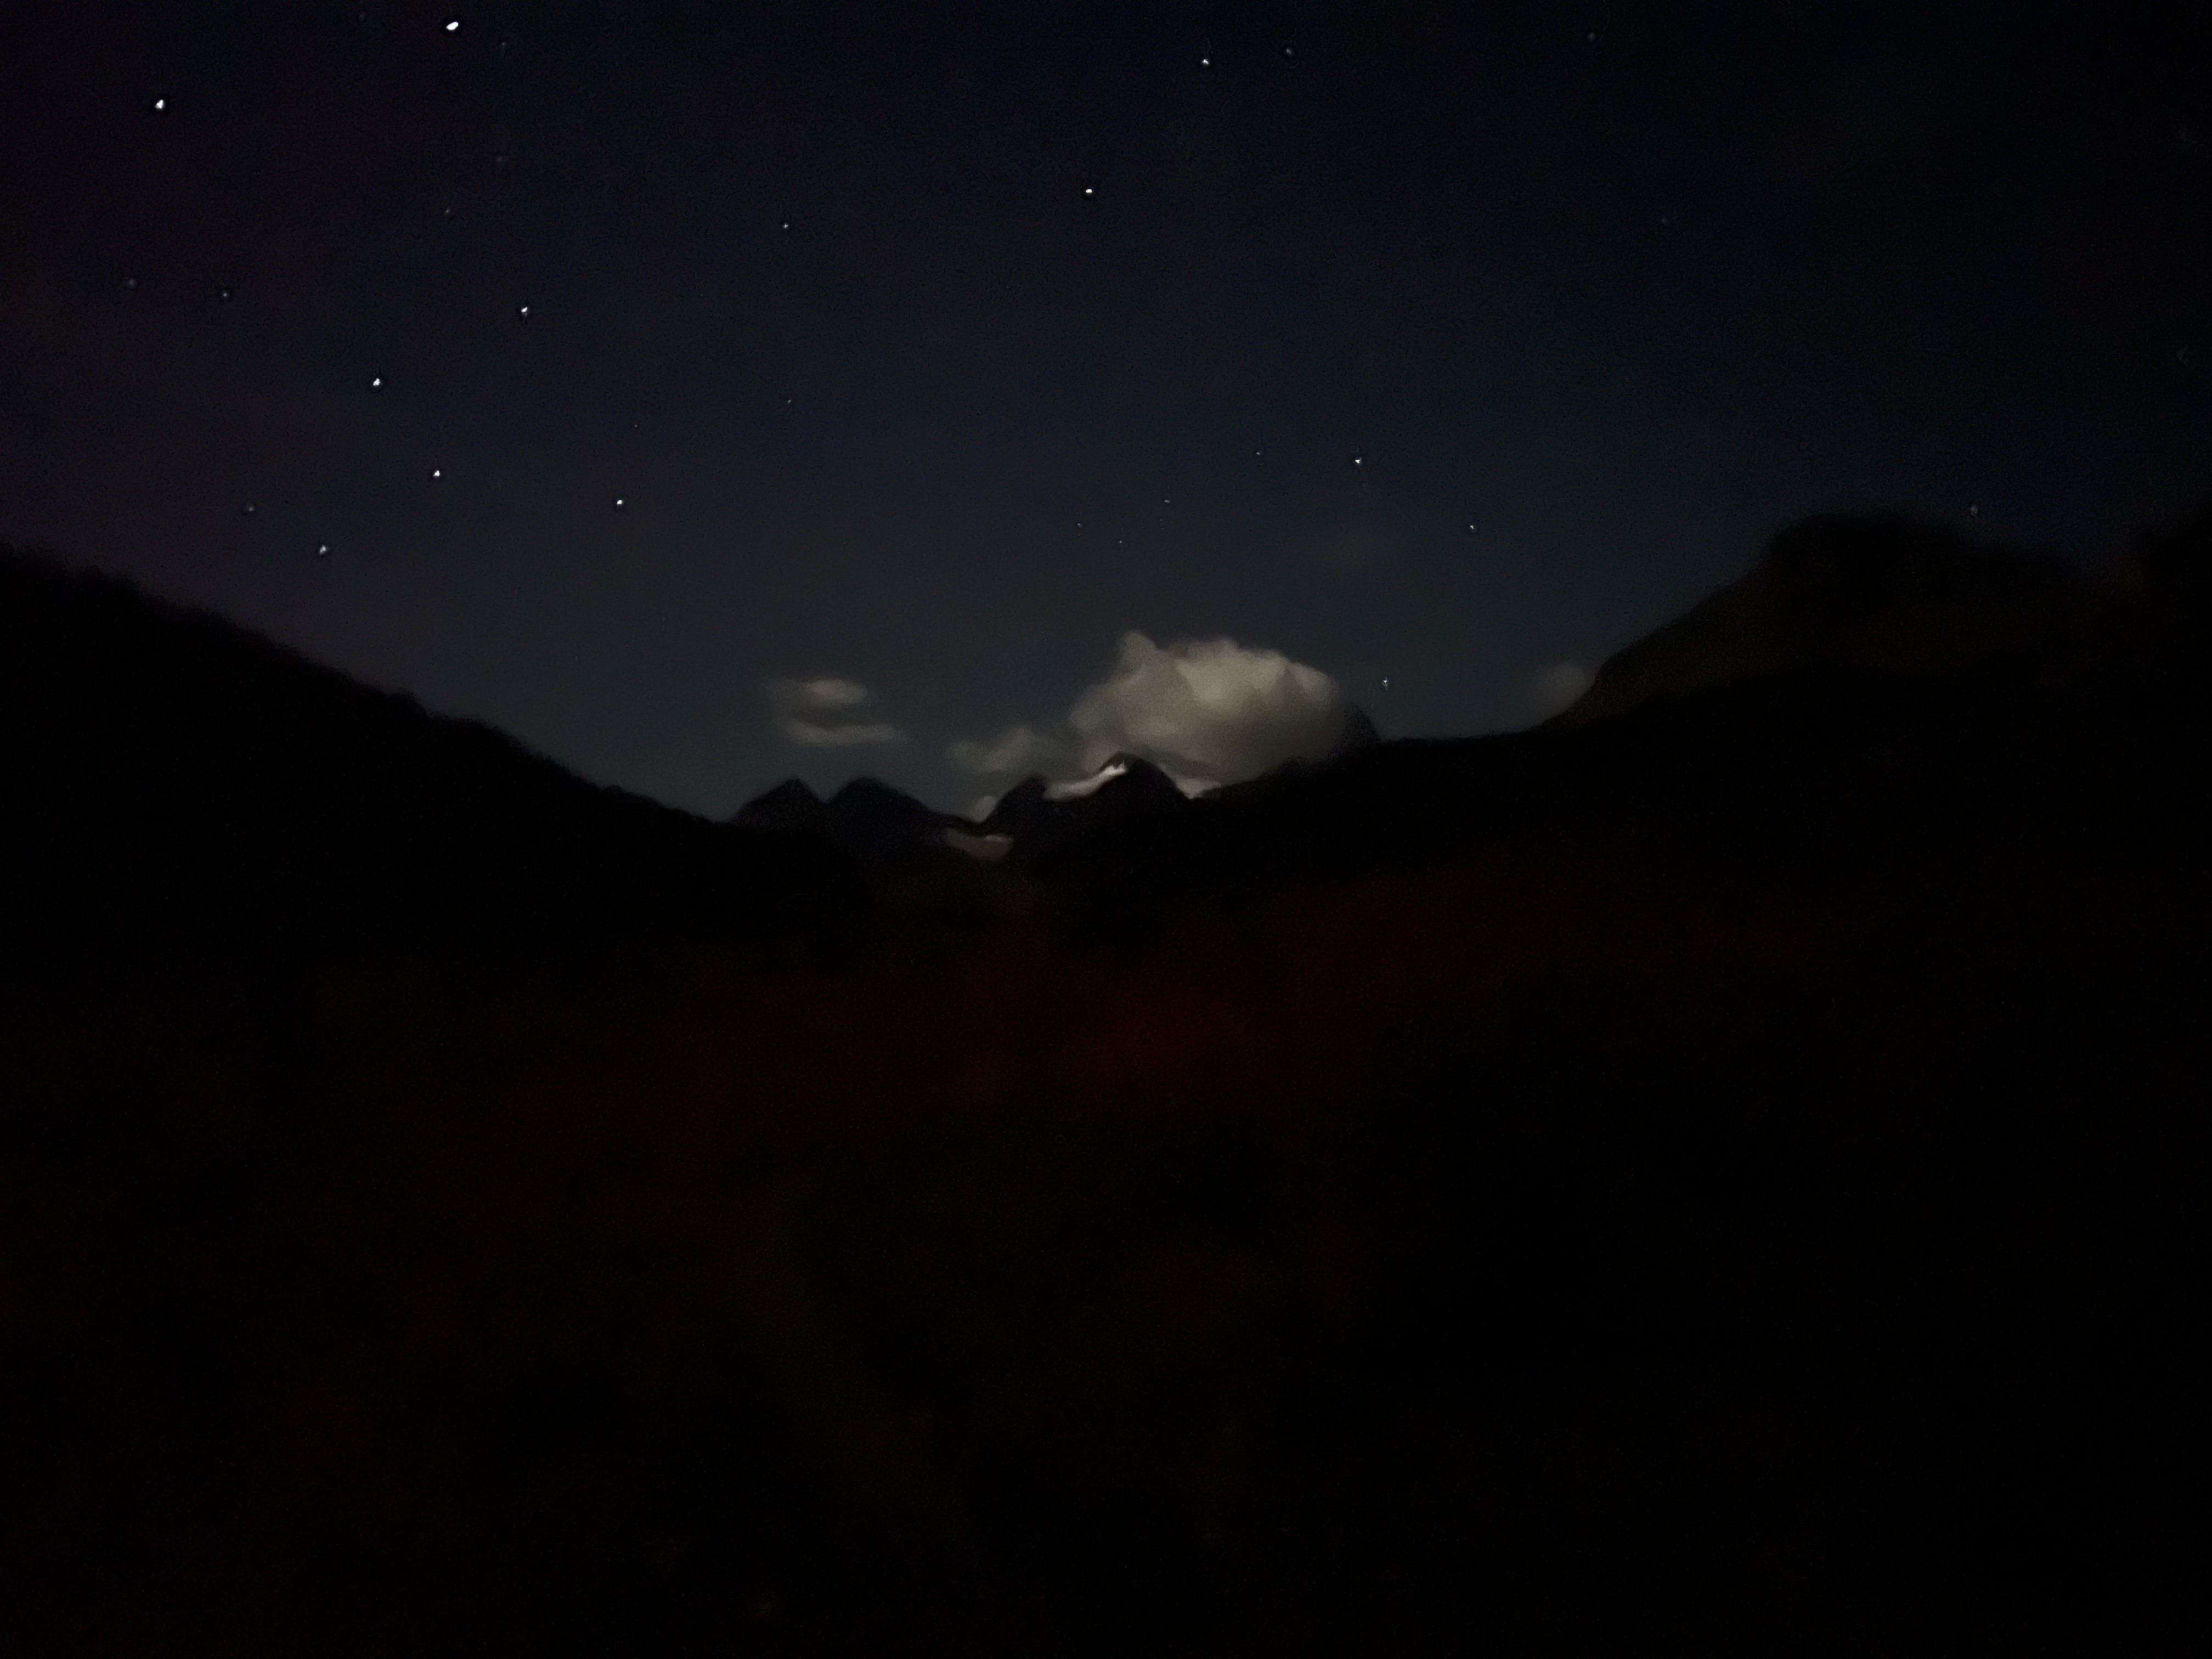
(820, 695)
(1209, 712)
(799, 705)
(1554, 689)
(1020, 748)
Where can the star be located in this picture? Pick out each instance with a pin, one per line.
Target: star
(436, 473)
(453, 25)
(247, 509)
(522, 311)
(618, 500)
(1087, 191)
(375, 382)
(321, 549)
(161, 103)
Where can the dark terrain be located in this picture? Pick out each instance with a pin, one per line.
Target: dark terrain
(1715, 1174)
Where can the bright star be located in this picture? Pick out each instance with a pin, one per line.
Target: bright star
(321, 550)
(161, 103)
(451, 26)
(435, 473)
(376, 382)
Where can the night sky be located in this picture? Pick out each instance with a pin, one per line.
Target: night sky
(712, 393)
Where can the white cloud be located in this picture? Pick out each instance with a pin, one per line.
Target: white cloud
(799, 703)
(1556, 687)
(1208, 711)
(1019, 747)
(824, 696)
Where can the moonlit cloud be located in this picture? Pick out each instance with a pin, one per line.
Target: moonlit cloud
(801, 706)
(1556, 687)
(1020, 748)
(820, 695)
(1209, 711)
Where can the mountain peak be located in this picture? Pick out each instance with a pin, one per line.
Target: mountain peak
(1877, 594)
(790, 806)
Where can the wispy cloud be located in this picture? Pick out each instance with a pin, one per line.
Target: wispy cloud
(801, 706)
(821, 694)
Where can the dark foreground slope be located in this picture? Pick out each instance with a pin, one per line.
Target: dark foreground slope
(1722, 1179)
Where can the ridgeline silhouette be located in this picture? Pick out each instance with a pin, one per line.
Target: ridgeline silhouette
(1711, 1173)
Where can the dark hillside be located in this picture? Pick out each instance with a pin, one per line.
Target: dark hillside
(1717, 1178)
(173, 775)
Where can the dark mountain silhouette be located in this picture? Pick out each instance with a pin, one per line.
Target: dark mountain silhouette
(174, 776)
(1712, 1176)
(884, 827)
(1879, 595)
(791, 808)
(884, 833)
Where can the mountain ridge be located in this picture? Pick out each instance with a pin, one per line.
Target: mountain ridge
(1712, 1179)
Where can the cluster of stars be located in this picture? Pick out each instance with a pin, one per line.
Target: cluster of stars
(452, 25)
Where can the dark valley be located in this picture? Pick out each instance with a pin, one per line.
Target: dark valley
(1712, 1173)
